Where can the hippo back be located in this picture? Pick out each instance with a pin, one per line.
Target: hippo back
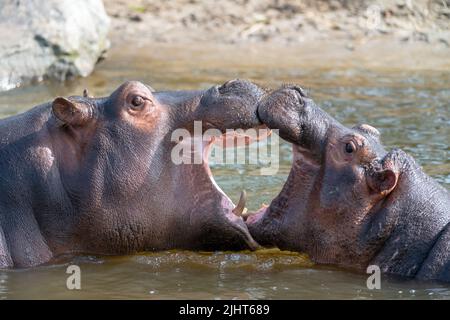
(16, 127)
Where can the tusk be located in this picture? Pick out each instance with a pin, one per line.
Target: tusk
(240, 208)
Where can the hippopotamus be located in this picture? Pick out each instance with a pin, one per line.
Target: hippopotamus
(84, 175)
(349, 202)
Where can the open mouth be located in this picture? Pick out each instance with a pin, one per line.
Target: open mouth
(264, 224)
(236, 214)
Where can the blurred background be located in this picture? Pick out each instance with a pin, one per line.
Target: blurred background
(282, 21)
(382, 62)
(61, 40)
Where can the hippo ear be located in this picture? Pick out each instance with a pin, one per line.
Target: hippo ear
(383, 182)
(72, 112)
(369, 130)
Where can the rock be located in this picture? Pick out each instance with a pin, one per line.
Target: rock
(50, 39)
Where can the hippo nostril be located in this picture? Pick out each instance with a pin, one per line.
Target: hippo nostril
(299, 92)
(221, 89)
(226, 85)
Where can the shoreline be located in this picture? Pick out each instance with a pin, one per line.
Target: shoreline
(282, 22)
(382, 54)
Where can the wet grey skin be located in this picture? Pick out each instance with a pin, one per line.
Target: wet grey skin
(347, 201)
(95, 175)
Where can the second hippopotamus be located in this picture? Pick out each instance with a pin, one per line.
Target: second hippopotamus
(350, 202)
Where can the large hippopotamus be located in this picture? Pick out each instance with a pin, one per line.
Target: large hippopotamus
(349, 202)
(95, 175)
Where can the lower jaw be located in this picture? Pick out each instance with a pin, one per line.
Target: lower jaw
(262, 229)
(238, 221)
(235, 217)
(255, 217)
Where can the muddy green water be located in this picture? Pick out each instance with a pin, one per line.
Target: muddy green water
(406, 99)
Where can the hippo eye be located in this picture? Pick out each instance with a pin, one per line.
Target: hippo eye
(137, 102)
(350, 147)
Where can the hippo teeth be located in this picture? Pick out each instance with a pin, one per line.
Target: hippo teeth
(240, 208)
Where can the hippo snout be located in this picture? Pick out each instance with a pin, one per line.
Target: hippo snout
(286, 109)
(231, 105)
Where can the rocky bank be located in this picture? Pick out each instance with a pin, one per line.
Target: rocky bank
(280, 21)
(50, 39)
